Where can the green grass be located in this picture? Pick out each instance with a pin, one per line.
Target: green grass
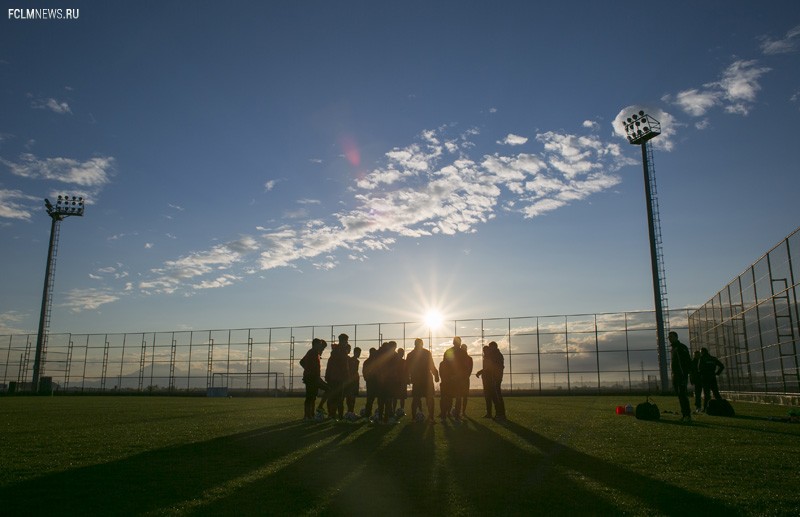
(249, 456)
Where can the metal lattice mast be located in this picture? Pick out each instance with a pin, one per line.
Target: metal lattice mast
(640, 128)
(64, 207)
(659, 249)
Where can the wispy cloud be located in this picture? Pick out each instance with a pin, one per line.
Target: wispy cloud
(60, 107)
(13, 206)
(9, 323)
(430, 187)
(79, 300)
(735, 91)
(169, 278)
(94, 172)
(269, 185)
(787, 44)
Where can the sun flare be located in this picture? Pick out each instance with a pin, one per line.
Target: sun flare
(433, 318)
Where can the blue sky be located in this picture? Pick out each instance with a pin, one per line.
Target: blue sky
(254, 164)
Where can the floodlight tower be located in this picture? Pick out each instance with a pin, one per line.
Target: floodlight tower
(64, 207)
(639, 128)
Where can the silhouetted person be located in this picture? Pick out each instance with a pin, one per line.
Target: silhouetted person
(312, 376)
(399, 380)
(450, 374)
(681, 366)
(370, 380)
(336, 375)
(497, 367)
(696, 380)
(384, 376)
(421, 373)
(485, 375)
(710, 367)
(351, 389)
(466, 365)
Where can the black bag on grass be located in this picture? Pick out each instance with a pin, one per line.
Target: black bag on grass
(647, 411)
(720, 407)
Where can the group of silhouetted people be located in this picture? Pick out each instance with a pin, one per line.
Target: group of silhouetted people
(701, 370)
(387, 374)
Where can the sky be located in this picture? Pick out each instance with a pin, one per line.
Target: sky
(288, 163)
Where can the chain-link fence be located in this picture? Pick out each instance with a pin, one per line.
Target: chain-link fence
(751, 325)
(565, 354)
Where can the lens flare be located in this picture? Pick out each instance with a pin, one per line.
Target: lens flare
(350, 149)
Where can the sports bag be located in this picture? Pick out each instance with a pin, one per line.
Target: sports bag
(647, 411)
(720, 407)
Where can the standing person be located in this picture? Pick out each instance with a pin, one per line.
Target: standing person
(312, 376)
(421, 374)
(681, 366)
(336, 375)
(400, 381)
(709, 368)
(696, 380)
(466, 365)
(485, 375)
(351, 390)
(370, 380)
(449, 372)
(384, 376)
(497, 366)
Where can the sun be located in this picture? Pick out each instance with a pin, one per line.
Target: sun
(433, 318)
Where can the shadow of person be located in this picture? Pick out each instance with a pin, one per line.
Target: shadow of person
(165, 478)
(638, 493)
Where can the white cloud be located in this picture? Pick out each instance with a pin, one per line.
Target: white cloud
(221, 281)
(431, 187)
(269, 185)
(94, 172)
(512, 139)
(148, 245)
(169, 278)
(62, 108)
(735, 91)
(12, 207)
(740, 84)
(9, 323)
(590, 124)
(79, 300)
(785, 45)
(696, 102)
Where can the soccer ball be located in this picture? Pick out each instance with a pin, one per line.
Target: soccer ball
(420, 416)
(319, 416)
(350, 416)
(400, 412)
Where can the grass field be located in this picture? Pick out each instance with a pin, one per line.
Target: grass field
(251, 456)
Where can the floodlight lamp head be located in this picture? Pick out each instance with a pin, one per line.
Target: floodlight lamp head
(65, 206)
(641, 127)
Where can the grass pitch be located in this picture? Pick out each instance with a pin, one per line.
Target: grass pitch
(250, 456)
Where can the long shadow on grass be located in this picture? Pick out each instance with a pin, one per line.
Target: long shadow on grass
(376, 470)
(170, 477)
(546, 474)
